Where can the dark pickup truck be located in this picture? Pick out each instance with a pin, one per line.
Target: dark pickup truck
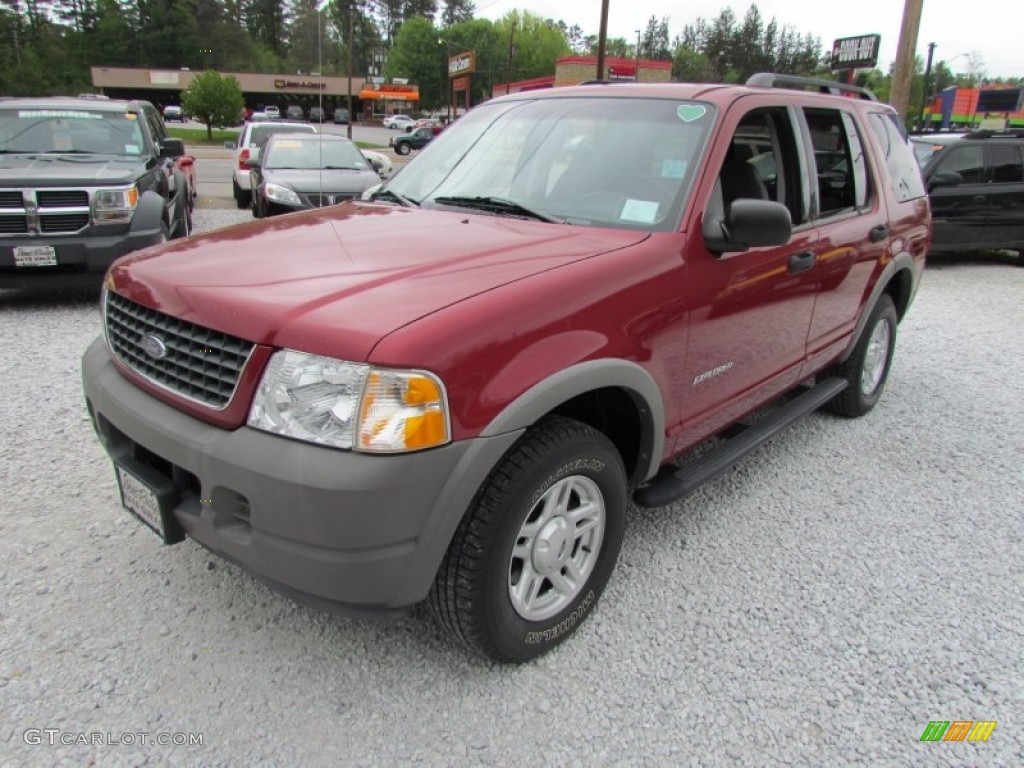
(82, 182)
(451, 391)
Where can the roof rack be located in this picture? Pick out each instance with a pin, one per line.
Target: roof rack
(1012, 133)
(775, 80)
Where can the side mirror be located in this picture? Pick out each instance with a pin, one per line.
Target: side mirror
(172, 148)
(751, 223)
(945, 179)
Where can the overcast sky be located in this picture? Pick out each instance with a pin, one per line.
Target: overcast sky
(951, 24)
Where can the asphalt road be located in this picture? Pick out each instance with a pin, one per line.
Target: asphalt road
(818, 605)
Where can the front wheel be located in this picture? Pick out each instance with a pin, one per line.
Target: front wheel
(402, 149)
(867, 368)
(537, 545)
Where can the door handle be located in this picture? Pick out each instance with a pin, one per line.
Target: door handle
(801, 261)
(878, 234)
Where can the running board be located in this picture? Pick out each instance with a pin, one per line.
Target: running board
(673, 483)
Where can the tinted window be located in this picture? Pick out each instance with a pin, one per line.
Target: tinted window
(306, 154)
(904, 172)
(261, 131)
(1006, 164)
(968, 160)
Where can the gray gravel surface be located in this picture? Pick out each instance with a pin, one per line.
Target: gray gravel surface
(819, 605)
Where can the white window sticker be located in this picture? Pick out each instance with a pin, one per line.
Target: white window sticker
(642, 211)
(36, 113)
(673, 169)
(131, 149)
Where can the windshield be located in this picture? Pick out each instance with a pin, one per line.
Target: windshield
(71, 131)
(260, 132)
(309, 155)
(600, 161)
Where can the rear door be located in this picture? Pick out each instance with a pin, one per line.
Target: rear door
(1005, 209)
(958, 212)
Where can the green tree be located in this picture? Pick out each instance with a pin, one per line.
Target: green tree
(419, 55)
(480, 36)
(535, 44)
(457, 11)
(214, 100)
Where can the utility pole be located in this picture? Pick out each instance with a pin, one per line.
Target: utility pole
(602, 39)
(351, 59)
(905, 54)
(926, 92)
(511, 52)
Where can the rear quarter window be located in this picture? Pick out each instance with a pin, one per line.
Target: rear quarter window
(905, 178)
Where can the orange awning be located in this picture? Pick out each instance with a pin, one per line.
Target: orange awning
(390, 95)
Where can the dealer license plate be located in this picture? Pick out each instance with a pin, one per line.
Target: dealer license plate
(35, 256)
(141, 501)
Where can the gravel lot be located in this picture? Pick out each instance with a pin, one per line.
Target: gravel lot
(819, 605)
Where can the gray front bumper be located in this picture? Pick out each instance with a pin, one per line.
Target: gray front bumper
(341, 529)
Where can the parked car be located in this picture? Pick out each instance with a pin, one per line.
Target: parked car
(398, 121)
(976, 186)
(172, 112)
(316, 114)
(341, 116)
(407, 142)
(450, 393)
(272, 113)
(82, 182)
(295, 112)
(291, 172)
(925, 145)
(252, 135)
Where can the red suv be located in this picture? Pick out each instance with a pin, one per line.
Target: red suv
(452, 391)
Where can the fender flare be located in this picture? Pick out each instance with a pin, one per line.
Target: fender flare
(899, 262)
(584, 377)
(149, 212)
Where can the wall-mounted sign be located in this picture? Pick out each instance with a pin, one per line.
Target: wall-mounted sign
(396, 88)
(299, 84)
(462, 64)
(855, 52)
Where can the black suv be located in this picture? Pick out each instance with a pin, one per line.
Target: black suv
(82, 182)
(976, 185)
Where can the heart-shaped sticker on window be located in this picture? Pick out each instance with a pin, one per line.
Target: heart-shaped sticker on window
(690, 112)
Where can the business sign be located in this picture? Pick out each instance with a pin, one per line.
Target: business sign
(855, 52)
(462, 64)
(460, 83)
(300, 84)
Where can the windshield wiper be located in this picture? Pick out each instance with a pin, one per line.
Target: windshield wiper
(498, 205)
(69, 152)
(387, 194)
(344, 168)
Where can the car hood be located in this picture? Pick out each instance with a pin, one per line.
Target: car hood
(327, 182)
(334, 281)
(68, 170)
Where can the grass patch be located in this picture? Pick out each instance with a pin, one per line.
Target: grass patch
(198, 136)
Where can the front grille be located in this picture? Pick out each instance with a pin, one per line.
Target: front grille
(63, 198)
(63, 222)
(13, 225)
(200, 363)
(11, 200)
(318, 201)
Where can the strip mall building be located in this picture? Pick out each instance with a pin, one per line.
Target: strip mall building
(573, 70)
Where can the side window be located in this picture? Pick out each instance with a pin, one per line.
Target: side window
(762, 162)
(904, 170)
(839, 161)
(1006, 164)
(967, 160)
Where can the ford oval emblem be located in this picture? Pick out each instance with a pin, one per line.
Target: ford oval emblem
(153, 346)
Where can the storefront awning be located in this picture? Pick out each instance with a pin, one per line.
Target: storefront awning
(409, 93)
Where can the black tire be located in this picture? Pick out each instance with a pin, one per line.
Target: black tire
(183, 221)
(402, 148)
(471, 598)
(243, 198)
(865, 381)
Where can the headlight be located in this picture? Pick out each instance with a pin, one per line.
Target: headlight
(280, 194)
(348, 405)
(115, 205)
